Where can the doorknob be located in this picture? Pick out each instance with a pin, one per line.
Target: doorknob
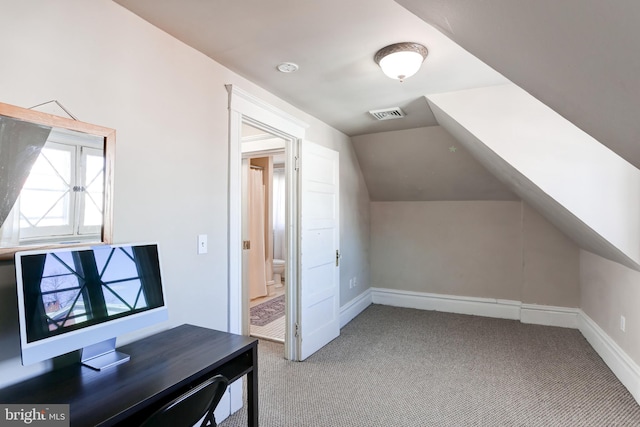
(338, 255)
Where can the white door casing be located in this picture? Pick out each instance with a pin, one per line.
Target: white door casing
(304, 302)
(319, 284)
(244, 230)
(244, 107)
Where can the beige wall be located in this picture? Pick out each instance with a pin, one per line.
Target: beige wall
(354, 211)
(424, 164)
(609, 290)
(485, 249)
(550, 263)
(354, 226)
(168, 104)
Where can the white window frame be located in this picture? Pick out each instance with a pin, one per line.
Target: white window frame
(74, 231)
(85, 151)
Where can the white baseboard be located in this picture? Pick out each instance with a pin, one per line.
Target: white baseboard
(487, 307)
(231, 402)
(548, 315)
(354, 307)
(627, 371)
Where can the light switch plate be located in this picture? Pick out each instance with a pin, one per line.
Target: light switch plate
(202, 244)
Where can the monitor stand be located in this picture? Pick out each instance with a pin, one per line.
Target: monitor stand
(102, 355)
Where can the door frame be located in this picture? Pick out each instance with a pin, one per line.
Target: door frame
(246, 108)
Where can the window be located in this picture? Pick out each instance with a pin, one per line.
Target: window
(63, 195)
(69, 198)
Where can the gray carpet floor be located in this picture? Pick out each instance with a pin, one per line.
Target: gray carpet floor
(402, 367)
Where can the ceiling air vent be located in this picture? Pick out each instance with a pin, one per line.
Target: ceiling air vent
(387, 113)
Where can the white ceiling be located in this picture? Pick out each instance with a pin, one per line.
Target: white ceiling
(333, 42)
(577, 56)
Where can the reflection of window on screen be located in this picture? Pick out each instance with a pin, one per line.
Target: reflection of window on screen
(61, 292)
(121, 285)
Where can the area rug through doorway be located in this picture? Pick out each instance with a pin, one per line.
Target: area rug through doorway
(267, 312)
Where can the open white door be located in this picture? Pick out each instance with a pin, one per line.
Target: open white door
(319, 286)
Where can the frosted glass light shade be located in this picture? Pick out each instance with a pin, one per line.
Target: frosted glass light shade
(401, 65)
(401, 60)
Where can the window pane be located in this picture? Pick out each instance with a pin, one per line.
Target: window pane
(52, 169)
(45, 199)
(94, 186)
(41, 208)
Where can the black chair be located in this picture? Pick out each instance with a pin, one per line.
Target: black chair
(189, 408)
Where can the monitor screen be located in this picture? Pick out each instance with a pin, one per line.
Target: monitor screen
(72, 298)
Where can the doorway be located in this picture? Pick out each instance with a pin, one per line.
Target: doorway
(303, 332)
(312, 238)
(264, 232)
(246, 108)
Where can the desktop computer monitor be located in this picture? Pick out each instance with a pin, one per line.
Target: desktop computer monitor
(83, 298)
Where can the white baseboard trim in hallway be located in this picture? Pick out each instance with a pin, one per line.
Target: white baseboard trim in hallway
(354, 307)
(487, 307)
(627, 371)
(549, 315)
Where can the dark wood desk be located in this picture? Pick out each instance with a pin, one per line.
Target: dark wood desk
(162, 367)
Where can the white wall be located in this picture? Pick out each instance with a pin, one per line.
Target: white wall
(354, 223)
(609, 290)
(486, 249)
(168, 104)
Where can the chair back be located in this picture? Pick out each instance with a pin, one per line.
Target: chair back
(189, 408)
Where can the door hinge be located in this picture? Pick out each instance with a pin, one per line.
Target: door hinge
(297, 332)
(246, 244)
(338, 255)
(296, 163)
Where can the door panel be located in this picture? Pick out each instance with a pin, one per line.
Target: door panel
(319, 286)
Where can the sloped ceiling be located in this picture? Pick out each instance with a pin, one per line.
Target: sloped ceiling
(424, 164)
(579, 57)
(578, 184)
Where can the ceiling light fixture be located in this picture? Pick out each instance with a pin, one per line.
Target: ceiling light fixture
(401, 60)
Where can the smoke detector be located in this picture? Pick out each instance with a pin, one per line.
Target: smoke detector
(387, 113)
(287, 67)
